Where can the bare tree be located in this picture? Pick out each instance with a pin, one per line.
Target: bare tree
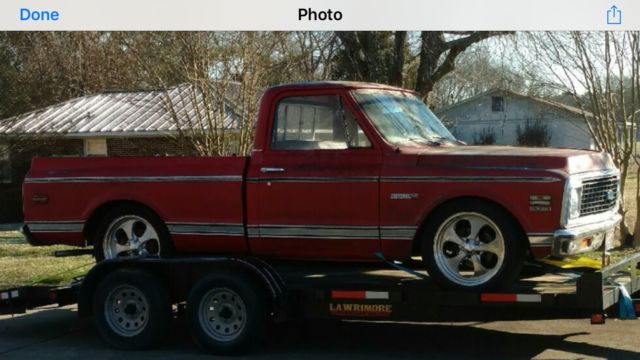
(600, 72)
(479, 70)
(220, 76)
(42, 68)
(386, 57)
(306, 55)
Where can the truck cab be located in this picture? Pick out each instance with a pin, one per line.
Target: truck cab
(350, 170)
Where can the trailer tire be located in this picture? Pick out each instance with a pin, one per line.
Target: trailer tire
(473, 245)
(132, 309)
(227, 313)
(125, 220)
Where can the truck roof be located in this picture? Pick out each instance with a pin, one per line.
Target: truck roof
(335, 84)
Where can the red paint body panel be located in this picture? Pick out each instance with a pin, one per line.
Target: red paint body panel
(396, 249)
(324, 249)
(190, 194)
(349, 190)
(511, 194)
(72, 238)
(204, 243)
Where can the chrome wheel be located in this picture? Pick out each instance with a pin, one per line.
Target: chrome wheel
(222, 314)
(469, 249)
(130, 236)
(126, 311)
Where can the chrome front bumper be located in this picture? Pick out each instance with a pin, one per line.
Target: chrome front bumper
(584, 238)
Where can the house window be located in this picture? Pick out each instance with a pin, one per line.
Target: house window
(5, 165)
(318, 122)
(95, 147)
(497, 103)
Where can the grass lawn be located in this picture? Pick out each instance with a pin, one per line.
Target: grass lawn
(23, 264)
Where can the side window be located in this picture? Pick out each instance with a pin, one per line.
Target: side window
(316, 122)
(497, 104)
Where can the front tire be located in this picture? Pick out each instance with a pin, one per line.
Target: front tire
(132, 310)
(473, 245)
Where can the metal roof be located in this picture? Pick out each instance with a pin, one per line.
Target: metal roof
(143, 113)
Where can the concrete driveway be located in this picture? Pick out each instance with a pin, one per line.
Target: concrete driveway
(57, 334)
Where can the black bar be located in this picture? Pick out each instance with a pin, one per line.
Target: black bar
(632, 261)
(73, 252)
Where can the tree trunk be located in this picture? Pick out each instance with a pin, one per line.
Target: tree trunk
(431, 46)
(636, 230)
(397, 63)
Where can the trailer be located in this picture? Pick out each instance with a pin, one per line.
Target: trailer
(230, 301)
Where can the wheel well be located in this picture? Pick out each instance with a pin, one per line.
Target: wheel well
(91, 226)
(416, 241)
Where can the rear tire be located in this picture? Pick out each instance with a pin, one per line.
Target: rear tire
(473, 245)
(132, 309)
(227, 313)
(131, 231)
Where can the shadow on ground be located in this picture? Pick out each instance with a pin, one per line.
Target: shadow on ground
(57, 334)
(398, 341)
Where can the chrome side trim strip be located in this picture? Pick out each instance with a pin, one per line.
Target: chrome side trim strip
(56, 226)
(468, 179)
(332, 232)
(253, 231)
(102, 179)
(206, 229)
(315, 179)
(318, 232)
(542, 179)
(397, 232)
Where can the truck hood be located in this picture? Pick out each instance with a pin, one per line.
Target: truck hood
(567, 161)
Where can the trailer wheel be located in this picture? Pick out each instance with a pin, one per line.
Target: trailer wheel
(131, 231)
(227, 313)
(132, 309)
(473, 245)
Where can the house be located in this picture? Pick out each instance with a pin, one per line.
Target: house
(501, 113)
(143, 123)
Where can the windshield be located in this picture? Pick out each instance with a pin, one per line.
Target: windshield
(401, 118)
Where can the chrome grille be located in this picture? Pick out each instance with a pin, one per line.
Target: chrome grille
(599, 195)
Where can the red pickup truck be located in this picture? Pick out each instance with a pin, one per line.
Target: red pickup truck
(339, 171)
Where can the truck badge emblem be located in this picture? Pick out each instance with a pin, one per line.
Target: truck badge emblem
(402, 196)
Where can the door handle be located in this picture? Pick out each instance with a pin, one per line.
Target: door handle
(271, 169)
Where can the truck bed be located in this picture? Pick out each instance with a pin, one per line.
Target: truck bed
(193, 195)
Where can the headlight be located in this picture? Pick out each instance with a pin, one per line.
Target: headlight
(573, 199)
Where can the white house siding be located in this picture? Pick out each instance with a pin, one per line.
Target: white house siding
(470, 117)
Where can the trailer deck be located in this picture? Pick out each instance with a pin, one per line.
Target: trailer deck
(339, 291)
(364, 291)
